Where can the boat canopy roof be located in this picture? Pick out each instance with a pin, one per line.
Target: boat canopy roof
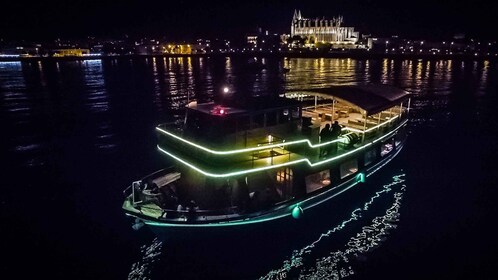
(373, 98)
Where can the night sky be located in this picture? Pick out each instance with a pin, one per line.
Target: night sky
(186, 20)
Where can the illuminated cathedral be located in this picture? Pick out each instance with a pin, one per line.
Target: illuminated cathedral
(323, 30)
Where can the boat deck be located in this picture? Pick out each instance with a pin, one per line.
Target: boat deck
(323, 114)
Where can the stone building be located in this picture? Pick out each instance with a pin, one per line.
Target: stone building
(329, 31)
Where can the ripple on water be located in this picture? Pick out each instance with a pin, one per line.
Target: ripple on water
(143, 268)
(337, 264)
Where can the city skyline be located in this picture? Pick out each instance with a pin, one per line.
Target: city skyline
(187, 20)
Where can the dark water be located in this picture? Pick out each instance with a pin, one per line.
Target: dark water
(75, 134)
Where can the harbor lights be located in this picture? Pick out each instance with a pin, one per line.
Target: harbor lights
(225, 94)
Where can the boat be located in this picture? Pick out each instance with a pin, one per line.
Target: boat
(255, 160)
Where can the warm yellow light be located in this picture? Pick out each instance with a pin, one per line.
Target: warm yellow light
(326, 182)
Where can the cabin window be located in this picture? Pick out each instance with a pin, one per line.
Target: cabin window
(317, 180)
(284, 183)
(348, 168)
(295, 114)
(386, 148)
(262, 190)
(400, 136)
(370, 156)
(217, 194)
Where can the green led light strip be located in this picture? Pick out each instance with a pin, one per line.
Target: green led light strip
(231, 173)
(267, 146)
(249, 149)
(236, 173)
(312, 200)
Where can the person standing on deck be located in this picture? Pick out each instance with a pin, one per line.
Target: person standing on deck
(336, 129)
(334, 134)
(325, 136)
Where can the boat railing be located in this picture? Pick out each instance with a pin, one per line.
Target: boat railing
(127, 191)
(136, 186)
(221, 211)
(274, 151)
(185, 212)
(132, 190)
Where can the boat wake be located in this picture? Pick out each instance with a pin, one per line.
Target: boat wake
(337, 264)
(150, 254)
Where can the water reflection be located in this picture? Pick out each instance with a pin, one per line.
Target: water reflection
(97, 99)
(150, 255)
(30, 89)
(18, 107)
(98, 102)
(61, 116)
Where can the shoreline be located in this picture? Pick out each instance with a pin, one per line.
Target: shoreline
(361, 56)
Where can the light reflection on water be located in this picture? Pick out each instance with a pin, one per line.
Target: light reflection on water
(98, 104)
(151, 254)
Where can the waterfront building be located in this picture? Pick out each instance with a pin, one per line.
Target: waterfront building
(70, 52)
(325, 31)
(21, 50)
(263, 40)
(177, 48)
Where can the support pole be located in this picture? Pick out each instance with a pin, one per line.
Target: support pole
(333, 110)
(364, 127)
(378, 123)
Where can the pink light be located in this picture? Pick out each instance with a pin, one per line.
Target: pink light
(222, 111)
